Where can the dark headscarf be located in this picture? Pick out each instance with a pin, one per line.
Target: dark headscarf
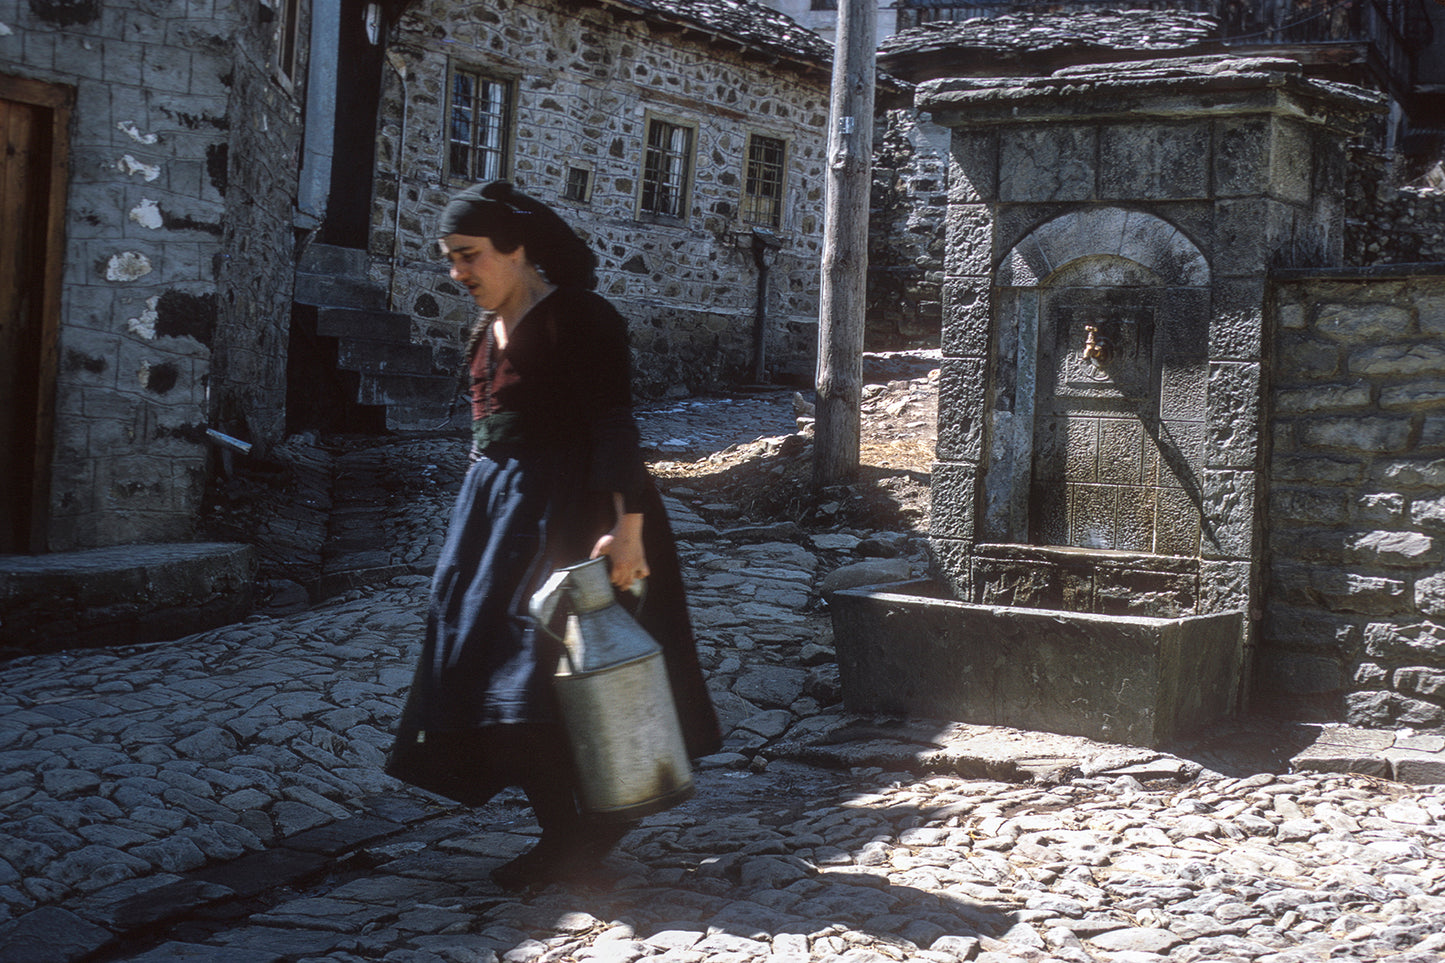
(509, 218)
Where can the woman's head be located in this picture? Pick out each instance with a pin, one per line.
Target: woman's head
(510, 219)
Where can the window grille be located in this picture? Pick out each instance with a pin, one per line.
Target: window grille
(666, 168)
(479, 133)
(579, 185)
(763, 181)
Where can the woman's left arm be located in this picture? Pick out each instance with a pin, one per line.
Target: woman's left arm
(623, 546)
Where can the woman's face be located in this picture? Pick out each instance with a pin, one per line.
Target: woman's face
(493, 278)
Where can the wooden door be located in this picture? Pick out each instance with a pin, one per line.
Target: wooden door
(34, 121)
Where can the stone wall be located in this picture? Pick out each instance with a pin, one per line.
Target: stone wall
(1355, 620)
(1391, 223)
(177, 251)
(906, 231)
(585, 82)
(256, 271)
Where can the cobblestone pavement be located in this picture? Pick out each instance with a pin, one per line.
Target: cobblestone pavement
(219, 798)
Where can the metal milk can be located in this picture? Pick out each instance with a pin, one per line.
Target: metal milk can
(616, 702)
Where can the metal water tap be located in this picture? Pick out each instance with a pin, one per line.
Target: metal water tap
(1096, 349)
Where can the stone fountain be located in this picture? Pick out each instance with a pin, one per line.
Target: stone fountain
(1098, 495)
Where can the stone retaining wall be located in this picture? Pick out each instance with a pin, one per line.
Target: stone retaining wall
(1355, 603)
(585, 84)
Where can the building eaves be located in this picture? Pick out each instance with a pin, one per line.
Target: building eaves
(747, 25)
(979, 45)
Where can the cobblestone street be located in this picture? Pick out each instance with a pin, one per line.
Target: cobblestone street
(219, 798)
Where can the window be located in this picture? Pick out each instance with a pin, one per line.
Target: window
(289, 58)
(666, 168)
(479, 131)
(285, 16)
(763, 181)
(579, 185)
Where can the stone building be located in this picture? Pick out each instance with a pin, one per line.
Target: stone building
(214, 246)
(156, 150)
(685, 141)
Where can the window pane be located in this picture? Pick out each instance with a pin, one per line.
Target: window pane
(763, 181)
(665, 168)
(479, 123)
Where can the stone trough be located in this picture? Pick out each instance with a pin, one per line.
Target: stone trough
(906, 649)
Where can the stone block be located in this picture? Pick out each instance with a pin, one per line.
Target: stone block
(952, 564)
(1393, 549)
(966, 318)
(1421, 682)
(969, 251)
(1225, 586)
(1416, 768)
(1228, 514)
(1305, 504)
(1233, 416)
(1154, 162)
(1236, 332)
(1399, 360)
(1241, 157)
(1327, 398)
(1321, 470)
(1427, 473)
(1338, 590)
(1380, 508)
(1292, 162)
(1428, 513)
(1432, 433)
(1340, 759)
(1379, 435)
(1306, 358)
(1248, 233)
(1432, 312)
(80, 56)
(1310, 629)
(952, 490)
(1050, 163)
(1413, 397)
(124, 63)
(961, 410)
(1430, 595)
(1362, 323)
(1140, 681)
(973, 166)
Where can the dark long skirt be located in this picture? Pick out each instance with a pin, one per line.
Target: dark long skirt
(481, 714)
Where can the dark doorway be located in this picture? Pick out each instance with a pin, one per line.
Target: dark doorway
(34, 119)
(358, 96)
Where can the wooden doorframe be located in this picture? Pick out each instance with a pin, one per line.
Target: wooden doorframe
(59, 101)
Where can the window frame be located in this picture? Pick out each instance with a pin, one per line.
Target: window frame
(507, 128)
(689, 158)
(586, 167)
(745, 195)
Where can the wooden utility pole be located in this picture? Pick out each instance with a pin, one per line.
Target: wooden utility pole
(845, 246)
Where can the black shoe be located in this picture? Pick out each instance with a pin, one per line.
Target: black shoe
(551, 860)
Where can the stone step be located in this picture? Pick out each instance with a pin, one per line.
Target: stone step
(363, 324)
(384, 356)
(337, 276)
(123, 595)
(334, 290)
(421, 391)
(333, 260)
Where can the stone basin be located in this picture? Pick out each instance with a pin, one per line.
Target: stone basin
(906, 649)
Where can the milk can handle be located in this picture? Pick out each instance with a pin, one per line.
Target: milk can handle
(545, 600)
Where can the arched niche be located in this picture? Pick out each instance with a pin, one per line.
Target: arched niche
(1096, 408)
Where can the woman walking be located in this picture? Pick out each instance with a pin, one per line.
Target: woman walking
(557, 477)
